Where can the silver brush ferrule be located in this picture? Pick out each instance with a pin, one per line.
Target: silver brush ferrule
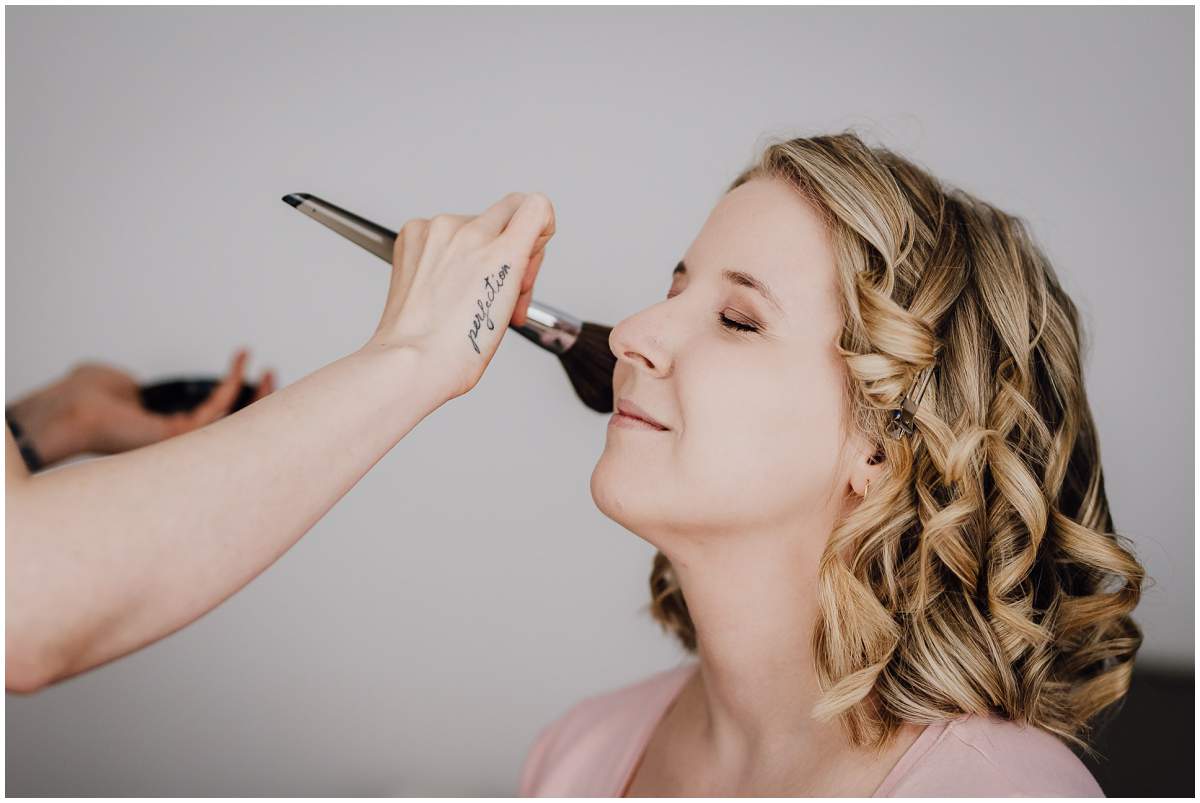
(552, 329)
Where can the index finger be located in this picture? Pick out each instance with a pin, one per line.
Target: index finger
(496, 216)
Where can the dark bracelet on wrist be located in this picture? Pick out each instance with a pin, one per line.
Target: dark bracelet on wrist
(28, 453)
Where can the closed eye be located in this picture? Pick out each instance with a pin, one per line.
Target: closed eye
(729, 323)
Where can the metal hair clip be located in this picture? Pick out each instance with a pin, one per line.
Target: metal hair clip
(902, 418)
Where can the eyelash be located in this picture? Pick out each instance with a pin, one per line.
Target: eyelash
(729, 323)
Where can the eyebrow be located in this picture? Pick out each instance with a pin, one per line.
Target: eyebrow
(742, 279)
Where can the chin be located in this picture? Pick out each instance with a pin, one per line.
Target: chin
(633, 490)
(615, 490)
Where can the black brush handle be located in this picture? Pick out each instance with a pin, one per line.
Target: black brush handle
(182, 395)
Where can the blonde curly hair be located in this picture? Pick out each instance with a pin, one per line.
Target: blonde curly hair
(982, 575)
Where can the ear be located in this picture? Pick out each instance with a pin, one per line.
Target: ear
(867, 467)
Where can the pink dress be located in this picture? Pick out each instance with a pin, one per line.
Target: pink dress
(593, 749)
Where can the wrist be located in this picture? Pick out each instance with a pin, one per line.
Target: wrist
(409, 371)
(29, 454)
(50, 424)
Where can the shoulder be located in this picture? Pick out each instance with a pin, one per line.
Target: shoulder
(975, 756)
(584, 751)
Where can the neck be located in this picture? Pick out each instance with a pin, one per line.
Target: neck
(753, 604)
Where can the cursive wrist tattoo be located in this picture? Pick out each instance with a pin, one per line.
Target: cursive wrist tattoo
(484, 315)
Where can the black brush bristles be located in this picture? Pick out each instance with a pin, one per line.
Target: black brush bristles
(589, 365)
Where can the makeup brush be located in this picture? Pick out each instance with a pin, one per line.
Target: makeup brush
(581, 346)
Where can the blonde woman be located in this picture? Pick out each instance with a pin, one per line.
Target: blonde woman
(856, 431)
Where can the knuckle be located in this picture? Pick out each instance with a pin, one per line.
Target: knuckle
(441, 229)
(473, 232)
(545, 210)
(410, 235)
(539, 202)
(441, 223)
(403, 237)
(412, 226)
(412, 229)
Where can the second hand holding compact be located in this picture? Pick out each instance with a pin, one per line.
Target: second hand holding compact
(581, 346)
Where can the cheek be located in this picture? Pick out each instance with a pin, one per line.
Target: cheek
(764, 436)
(759, 440)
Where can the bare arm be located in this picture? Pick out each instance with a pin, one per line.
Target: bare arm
(106, 556)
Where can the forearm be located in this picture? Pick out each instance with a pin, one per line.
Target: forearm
(108, 555)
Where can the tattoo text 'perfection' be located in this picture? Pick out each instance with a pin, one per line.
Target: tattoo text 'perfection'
(484, 314)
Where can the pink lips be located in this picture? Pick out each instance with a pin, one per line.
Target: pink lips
(629, 422)
(630, 416)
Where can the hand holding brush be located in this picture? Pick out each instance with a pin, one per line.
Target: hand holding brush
(478, 270)
(581, 346)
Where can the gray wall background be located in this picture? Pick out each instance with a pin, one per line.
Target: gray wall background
(467, 590)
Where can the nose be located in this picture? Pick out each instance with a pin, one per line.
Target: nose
(636, 341)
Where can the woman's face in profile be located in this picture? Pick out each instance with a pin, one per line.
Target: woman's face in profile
(752, 414)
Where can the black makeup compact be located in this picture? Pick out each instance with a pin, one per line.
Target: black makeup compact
(182, 395)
